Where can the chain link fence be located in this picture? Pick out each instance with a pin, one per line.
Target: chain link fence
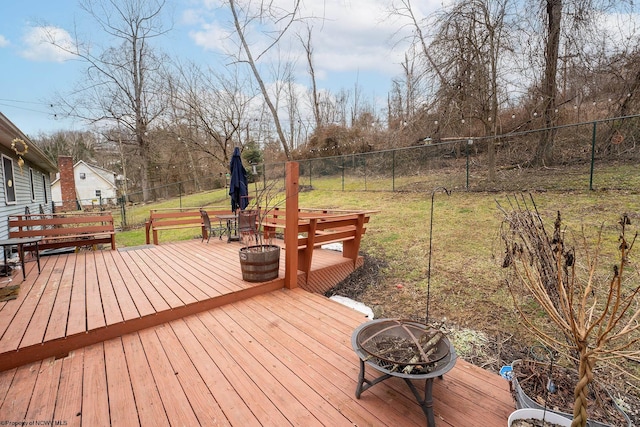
(600, 155)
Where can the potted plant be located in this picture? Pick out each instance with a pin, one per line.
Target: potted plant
(259, 257)
(542, 388)
(566, 298)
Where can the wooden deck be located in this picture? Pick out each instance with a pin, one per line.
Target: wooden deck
(171, 335)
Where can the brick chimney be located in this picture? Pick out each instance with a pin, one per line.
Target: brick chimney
(67, 183)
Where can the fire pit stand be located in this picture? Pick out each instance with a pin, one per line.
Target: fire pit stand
(438, 369)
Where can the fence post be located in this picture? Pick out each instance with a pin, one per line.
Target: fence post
(342, 173)
(469, 142)
(310, 183)
(393, 171)
(364, 164)
(593, 155)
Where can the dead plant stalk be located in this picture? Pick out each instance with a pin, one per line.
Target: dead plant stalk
(594, 328)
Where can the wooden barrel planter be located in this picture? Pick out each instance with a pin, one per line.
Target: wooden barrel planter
(260, 263)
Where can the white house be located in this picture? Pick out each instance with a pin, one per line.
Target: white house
(93, 185)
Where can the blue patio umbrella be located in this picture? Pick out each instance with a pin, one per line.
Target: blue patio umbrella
(238, 189)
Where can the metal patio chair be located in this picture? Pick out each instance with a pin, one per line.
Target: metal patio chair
(212, 230)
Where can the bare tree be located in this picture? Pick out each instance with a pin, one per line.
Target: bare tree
(464, 58)
(79, 145)
(576, 27)
(210, 110)
(315, 98)
(244, 16)
(123, 82)
(293, 111)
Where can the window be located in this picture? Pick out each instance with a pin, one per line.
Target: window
(82, 175)
(9, 184)
(44, 189)
(32, 185)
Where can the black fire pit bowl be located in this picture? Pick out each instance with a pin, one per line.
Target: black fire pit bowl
(403, 343)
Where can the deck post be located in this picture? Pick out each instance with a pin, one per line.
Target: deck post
(291, 228)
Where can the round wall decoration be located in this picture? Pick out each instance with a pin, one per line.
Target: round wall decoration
(19, 146)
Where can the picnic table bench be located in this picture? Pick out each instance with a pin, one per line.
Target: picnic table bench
(64, 230)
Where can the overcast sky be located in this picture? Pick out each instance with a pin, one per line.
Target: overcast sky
(353, 43)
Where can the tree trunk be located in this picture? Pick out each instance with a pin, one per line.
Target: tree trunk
(143, 144)
(263, 88)
(544, 151)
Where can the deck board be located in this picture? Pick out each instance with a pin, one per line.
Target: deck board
(275, 370)
(128, 287)
(152, 295)
(77, 320)
(121, 292)
(69, 393)
(149, 406)
(93, 295)
(246, 361)
(20, 317)
(175, 401)
(95, 412)
(43, 402)
(34, 333)
(122, 404)
(230, 408)
(60, 312)
(175, 279)
(186, 271)
(173, 297)
(260, 405)
(110, 305)
(262, 356)
(200, 398)
(16, 401)
(332, 343)
(312, 367)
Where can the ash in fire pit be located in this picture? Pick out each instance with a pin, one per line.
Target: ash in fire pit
(403, 346)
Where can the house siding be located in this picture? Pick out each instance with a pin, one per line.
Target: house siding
(22, 185)
(93, 182)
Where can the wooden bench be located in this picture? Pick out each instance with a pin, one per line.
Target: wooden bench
(320, 227)
(175, 219)
(325, 229)
(64, 230)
